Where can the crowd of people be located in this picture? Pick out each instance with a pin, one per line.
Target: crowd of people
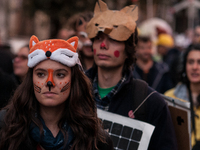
(51, 89)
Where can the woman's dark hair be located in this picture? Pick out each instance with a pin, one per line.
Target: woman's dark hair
(183, 60)
(80, 114)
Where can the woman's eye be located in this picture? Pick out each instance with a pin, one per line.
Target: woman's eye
(61, 75)
(190, 61)
(39, 74)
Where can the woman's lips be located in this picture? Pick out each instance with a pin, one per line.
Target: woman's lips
(49, 94)
(195, 74)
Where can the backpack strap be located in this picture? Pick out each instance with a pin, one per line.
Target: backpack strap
(140, 89)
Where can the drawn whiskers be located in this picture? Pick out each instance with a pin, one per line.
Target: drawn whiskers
(65, 87)
(37, 88)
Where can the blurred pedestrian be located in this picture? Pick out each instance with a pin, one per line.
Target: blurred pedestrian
(189, 88)
(7, 83)
(65, 33)
(6, 57)
(154, 73)
(78, 23)
(196, 36)
(7, 88)
(20, 64)
(169, 54)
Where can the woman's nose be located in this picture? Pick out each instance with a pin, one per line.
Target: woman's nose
(195, 65)
(50, 81)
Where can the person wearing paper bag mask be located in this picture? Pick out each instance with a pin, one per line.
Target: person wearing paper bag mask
(53, 107)
(114, 36)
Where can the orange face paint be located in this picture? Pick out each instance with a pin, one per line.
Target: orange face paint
(50, 76)
(49, 80)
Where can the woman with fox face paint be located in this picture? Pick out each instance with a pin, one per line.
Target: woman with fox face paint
(53, 107)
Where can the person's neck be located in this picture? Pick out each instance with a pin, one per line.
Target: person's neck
(145, 65)
(51, 116)
(88, 62)
(195, 90)
(109, 77)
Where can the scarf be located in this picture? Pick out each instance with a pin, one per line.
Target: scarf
(48, 141)
(181, 92)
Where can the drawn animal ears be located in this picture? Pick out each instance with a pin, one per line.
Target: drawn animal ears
(73, 41)
(131, 10)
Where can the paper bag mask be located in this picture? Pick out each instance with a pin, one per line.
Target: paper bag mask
(119, 25)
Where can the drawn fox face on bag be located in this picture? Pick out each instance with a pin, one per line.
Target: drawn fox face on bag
(119, 25)
(55, 49)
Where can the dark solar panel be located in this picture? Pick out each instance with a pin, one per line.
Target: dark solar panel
(124, 136)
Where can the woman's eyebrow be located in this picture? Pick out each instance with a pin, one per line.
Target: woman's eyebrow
(40, 69)
(61, 70)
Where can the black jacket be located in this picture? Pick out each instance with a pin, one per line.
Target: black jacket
(7, 88)
(156, 113)
(158, 77)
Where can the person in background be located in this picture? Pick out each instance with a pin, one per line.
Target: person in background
(114, 87)
(169, 54)
(154, 73)
(6, 57)
(20, 64)
(65, 33)
(53, 107)
(7, 88)
(78, 23)
(7, 83)
(189, 88)
(196, 36)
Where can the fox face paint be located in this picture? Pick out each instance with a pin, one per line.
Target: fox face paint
(65, 87)
(49, 81)
(37, 88)
(51, 61)
(51, 85)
